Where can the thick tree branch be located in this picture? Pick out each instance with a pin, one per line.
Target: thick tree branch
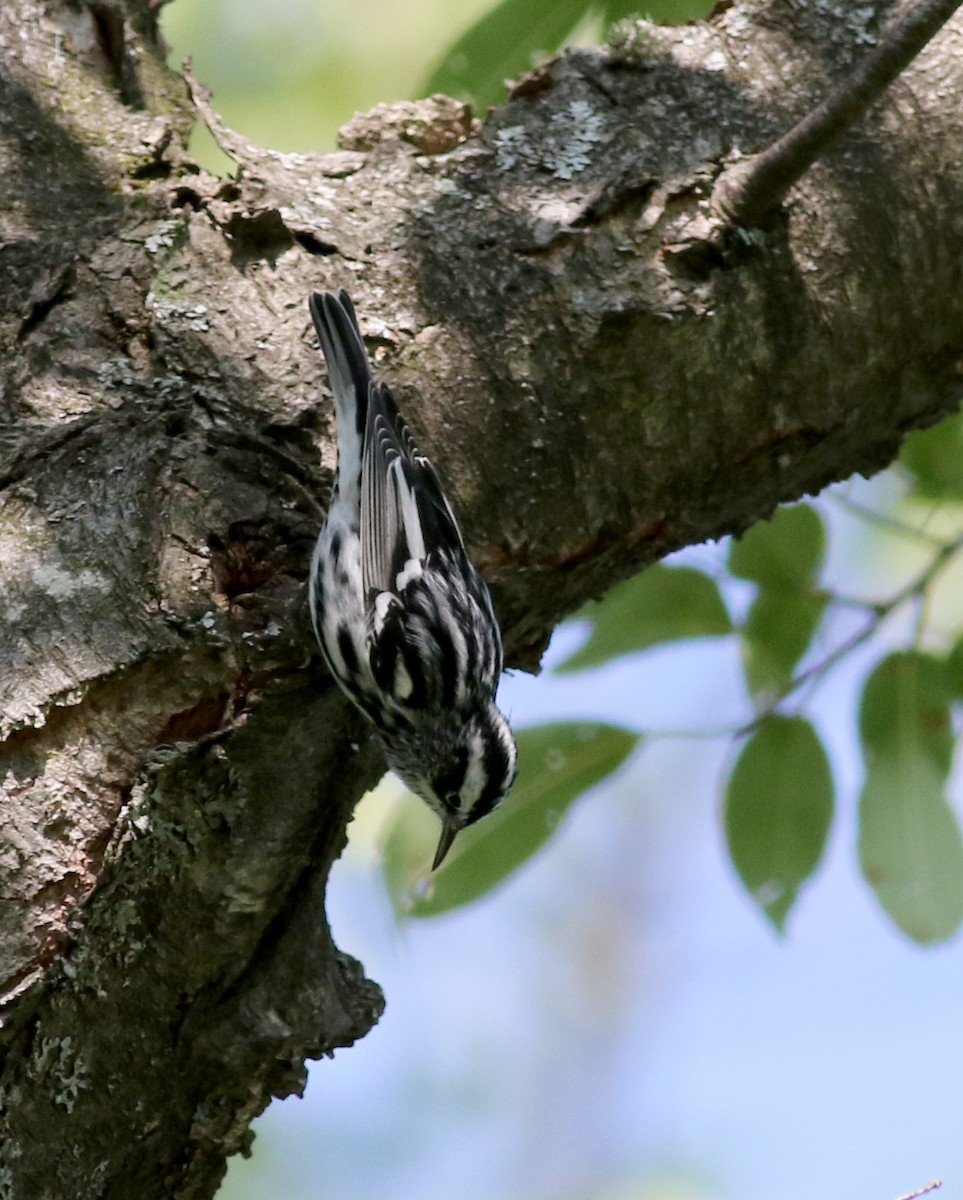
(751, 190)
(599, 376)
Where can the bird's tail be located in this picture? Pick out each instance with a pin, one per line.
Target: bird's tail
(348, 368)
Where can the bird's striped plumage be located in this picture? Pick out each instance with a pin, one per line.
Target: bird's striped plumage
(405, 622)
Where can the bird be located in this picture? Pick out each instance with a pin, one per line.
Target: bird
(405, 623)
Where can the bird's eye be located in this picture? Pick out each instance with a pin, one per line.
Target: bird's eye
(447, 783)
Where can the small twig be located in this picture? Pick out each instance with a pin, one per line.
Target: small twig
(813, 675)
(858, 603)
(230, 143)
(754, 187)
(886, 521)
(922, 613)
(881, 611)
(932, 1186)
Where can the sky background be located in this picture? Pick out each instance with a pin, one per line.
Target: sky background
(617, 1022)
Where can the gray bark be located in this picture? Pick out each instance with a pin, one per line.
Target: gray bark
(601, 373)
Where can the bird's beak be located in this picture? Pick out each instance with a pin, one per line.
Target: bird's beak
(448, 831)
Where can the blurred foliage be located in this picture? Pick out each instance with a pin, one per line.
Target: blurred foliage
(784, 554)
(557, 764)
(515, 35)
(783, 558)
(777, 632)
(505, 43)
(933, 459)
(778, 806)
(663, 604)
(289, 74)
(905, 706)
(909, 846)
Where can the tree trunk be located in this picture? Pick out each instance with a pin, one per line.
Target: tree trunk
(601, 371)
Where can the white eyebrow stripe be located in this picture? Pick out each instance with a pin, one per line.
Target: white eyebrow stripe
(475, 779)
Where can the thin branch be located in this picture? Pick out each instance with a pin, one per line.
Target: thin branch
(915, 587)
(923, 1191)
(922, 613)
(754, 187)
(886, 521)
(814, 675)
(840, 600)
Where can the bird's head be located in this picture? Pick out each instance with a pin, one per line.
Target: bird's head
(461, 766)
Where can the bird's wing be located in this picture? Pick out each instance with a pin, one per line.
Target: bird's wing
(404, 513)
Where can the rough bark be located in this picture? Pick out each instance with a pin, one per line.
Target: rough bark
(601, 373)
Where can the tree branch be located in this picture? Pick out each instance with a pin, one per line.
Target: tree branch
(751, 190)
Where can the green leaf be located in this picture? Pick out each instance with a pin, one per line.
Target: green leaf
(934, 457)
(954, 669)
(783, 557)
(779, 628)
(663, 604)
(557, 763)
(909, 843)
(503, 45)
(905, 710)
(786, 552)
(910, 848)
(662, 12)
(778, 807)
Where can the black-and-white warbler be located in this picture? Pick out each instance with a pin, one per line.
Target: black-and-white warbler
(405, 622)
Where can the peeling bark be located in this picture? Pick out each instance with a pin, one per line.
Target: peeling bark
(601, 374)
